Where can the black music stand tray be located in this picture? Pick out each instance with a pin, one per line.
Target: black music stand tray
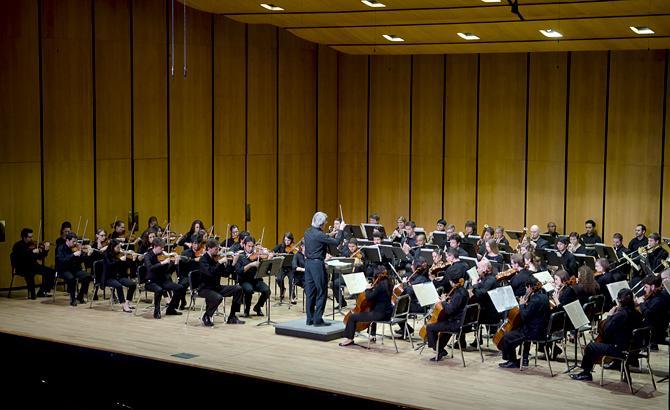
(269, 268)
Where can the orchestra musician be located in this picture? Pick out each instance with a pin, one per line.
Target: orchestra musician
(419, 275)
(115, 274)
(499, 236)
(68, 265)
(603, 277)
(564, 291)
(189, 262)
(337, 280)
(451, 230)
(655, 307)
(657, 254)
(456, 270)
(484, 282)
(186, 239)
(453, 309)
(159, 278)
(534, 311)
(26, 255)
(440, 226)
(246, 268)
(455, 243)
(470, 228)
(212, 267)
(409, 241)
(551, 230)
(492, 253)
(619, 250)
(518, 281)
(288, 241)
(146, 240)
(621, 320)
(118, 231)
(589, 237)
(568, 260)
(371, 266)
(153, 223)
(640, 238)
(575, 246)
(65, 228)
(487, 234)
(586, 284)
(234, 232)
(238, 246)
(298, 264)
(398, 234)
(536, 239)
(374, 218)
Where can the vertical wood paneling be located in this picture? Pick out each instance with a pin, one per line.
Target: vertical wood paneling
(388, 192)
(262, 132)
(460, 139)
(546, 139)
(427, 121)
(586, 140)
(297, 134)
(665, 209)
(112, 83)
(191, 122)
(352, 162)
(150, 109)
(634, 140)
(229, 123)
(68, 113)
(502, 140)
(327, 170)
(20, 203)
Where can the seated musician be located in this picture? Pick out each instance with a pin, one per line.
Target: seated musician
(409, 240)
(455, 243)
(188, 262)
(656, 256)
(414, 252)
(518, 281)
(492, 252)
(640, 239)
(575, 246)
(487, 234)
(564, 292)
(26, 255)
(603, 277)
(568, 260)
(621, 320)
(551, 230)
(118, 231)
(338, 280)
(372, 266)
(453, 309)
(398, 234)
(499, 236)
(655, 307)
(153, 223)
(68, 265)
(586, 284)
(284, 247)
(298, 264)
(159, 278)
(185, 239)
(470, 228)
(234, 232)
(96, 253)
(456, 270)
(589, 237)
(374, 219)
(211, 289)
(419, 275)
(480, 286)
(246, 276)
(540, 242)
(115, 273)
(617, 244)
(146, 240)
(534, 311)
(379, 296)
(238, 246)
(65, 228)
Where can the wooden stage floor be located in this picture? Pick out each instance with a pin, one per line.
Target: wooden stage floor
(404, 379)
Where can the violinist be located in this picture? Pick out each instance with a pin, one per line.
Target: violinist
(518, 281)
(484, 282)
(159, 278)
(621, 320)
(568, 260)
(457, 270)
(419, 275)
(378, 295)
(564, 291)
(115, 274)
(603, 277)
(25, 256)
(153, 223)
(147, 239)
(238, 246)
(298, 265)
(493, 253)
(246, 268)
(398, 234)
(499, 236)
(65, 228)
(97, 248)
(286, 245)
(190, 262)
(68, 265)
(534, 311)
(211, 289)
(586, 284)
(455, 243)
(337, 280)
(234, 232)
(186, 239)
(118, 231)
(453, 309)
(655, 307)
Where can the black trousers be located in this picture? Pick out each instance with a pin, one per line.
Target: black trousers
(595, 351)
(283, 273)
(118, 284)
(511, 341)
(71, 278)
(178, 292)
(183, 281)
(47, 274)
(433, 329)
(214, 297)
(316, 290)
(355, 318)
(338, 285)
(257, 286)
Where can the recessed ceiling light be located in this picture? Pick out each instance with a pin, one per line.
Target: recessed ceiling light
(271, 7)
(491, 1)
(551, 33)
(373, 3)
(468, 36)
(393, 37)
(642, 30)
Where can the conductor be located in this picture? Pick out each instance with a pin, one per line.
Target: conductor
(316, 281)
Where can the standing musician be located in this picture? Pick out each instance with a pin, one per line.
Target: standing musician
(535, 238)
(640, 238)
(534, 311)
(575, 246)
(234, 232)
(316, 287)
(246, 268)
(285, 246)
(211, 289)
(518, 281)
(68, 265)
(189, 262)
(159, 278)
(456, 270)
(115, 273)
(655, 307)
(485, 282)
(65, 228)
(499, 236)
(398, 234)
(298, 264)
(419, 275)
(453, 309)
(338, 283)
(455, 243)
(25, 257)
(186, 239)
(621, 320)
(568, 260)
(377, 294)
(551, 230)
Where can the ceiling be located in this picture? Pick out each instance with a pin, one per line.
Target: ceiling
(431, 26)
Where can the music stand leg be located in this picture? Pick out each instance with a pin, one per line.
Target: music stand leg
(574, 366)
(267, 307)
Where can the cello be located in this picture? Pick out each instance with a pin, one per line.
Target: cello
(513, 319)
(435, 316)
(364, 305)
(400, 287)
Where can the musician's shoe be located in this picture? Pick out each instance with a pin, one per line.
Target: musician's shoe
(524, 362)
(582, 376)
(172, 312)
(182, 306)
(557, 352)
(343, 305)
(510, 364)
(157, 314)
(73, 302)
(611, 366)
(321, 324)
(41, 294)
(246, 314)
(294, 301)
(258, 311)
(309, 323)
(440, 355)
(233, 320)
(207, 321)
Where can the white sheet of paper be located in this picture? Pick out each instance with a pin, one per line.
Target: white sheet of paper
(336, 263)
(472, 272)
(666, 283)
(576, 314)
(546, 280)
(426, 293)
(615, 287)
(503, 298)
(356, 282)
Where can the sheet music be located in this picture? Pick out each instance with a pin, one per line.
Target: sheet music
(503, 298)
(615, 287)
(546, 280)
(426, 293)
(356, 282)
(576, 314)
(473, 274)
(666, 283)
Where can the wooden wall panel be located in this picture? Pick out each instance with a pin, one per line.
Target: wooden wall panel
(150, 110)
(545, 187)
(112, 111)
(20, 203)
(586, 140)
(634, 141)
(262, 132)
(68, 114)
(665, 207)
(388, 192)
(327, 157)
(352, 126)
(460, 139)
(502, 140)
(297, 134)
(229, 123)
(427, 132)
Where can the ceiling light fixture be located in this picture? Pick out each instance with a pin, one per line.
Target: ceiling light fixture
(393, 37)
(271, 7)
(468, 36)
(373, 3)
(551, 33)
(641, 30)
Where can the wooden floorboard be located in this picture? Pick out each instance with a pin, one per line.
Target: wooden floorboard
(406, 378)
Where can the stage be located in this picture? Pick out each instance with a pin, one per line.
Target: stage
(256, 353)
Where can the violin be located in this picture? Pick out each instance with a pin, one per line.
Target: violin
(201, 250)
(172, 256)
(506, 275)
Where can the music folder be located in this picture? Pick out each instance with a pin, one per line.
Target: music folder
(546, 280)
(503, 298)
(427, 253)
(471, 262)
(356, 282)
(355, 231)
(288, 260)
(553, 258)
(576, 315)
(606, 252)
(587, 260)
(426, 293)
(549, 238)
(615, 287)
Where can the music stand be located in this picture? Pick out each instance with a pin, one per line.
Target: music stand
(579, 321)
(471, 262)
(469, 248)
(553, 259)
(549, 238)
(440, 238)
(370, 228)
(606, 252)
(516, 235)
(355, 231)
(587, 260)
(332, 250)
(269, 268)
(372, 253)
(341, 266)
(427, 253)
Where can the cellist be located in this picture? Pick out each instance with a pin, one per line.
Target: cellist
(453, 309)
